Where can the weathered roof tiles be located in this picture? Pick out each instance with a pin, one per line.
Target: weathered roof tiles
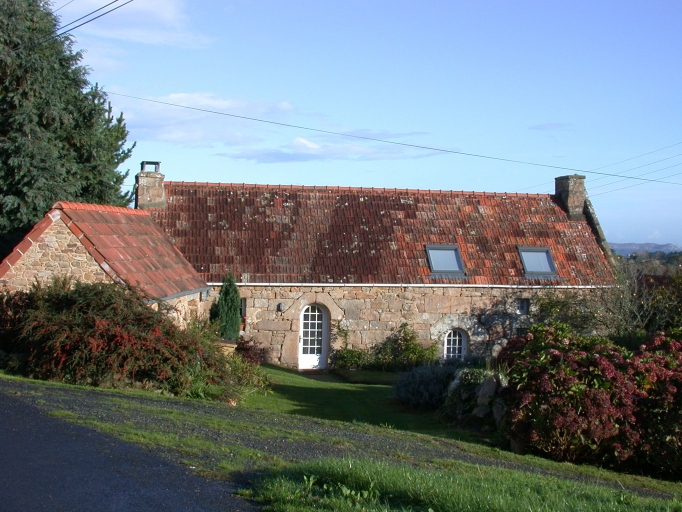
(293, 234)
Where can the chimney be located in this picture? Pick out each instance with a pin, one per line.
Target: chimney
(149, 191)
(570, 190)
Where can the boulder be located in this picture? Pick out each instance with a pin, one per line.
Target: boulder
(499, 410)
(486, 390)
(481, 411)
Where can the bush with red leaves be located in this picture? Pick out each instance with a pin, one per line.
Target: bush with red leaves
(584, 399)
(108, 335)
(250, 351)
(657, 370)
(570, 398)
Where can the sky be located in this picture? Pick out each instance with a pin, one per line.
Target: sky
(581, 85)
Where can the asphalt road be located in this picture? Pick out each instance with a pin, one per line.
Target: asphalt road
(49, 464)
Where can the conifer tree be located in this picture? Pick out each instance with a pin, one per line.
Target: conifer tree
(226, 312)
(58, 138)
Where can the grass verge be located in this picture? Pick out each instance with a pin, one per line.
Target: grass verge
(237, 442)
(345, 485)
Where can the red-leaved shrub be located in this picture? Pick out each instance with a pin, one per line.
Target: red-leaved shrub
(570, 397)
(657, 371)
(108, 335)
(584, 399)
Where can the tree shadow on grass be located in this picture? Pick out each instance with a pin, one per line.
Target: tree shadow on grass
(326, 396)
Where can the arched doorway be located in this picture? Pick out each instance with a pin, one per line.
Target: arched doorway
(313, 345)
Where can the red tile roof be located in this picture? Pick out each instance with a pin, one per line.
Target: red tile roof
(293, 234)
(126, 243)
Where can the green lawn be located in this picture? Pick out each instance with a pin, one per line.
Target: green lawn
(327, 396)
(220, 441)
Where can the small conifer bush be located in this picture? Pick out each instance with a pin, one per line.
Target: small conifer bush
(226, 311)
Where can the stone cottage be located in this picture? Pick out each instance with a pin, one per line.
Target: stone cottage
(96, 243)
(460, 267)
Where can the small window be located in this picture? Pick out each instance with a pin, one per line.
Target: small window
(242, 309)
(522, 306)
(445, 260)
(455, 344)
(521, 331)
(537, 261)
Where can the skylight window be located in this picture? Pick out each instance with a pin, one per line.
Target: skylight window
(537, 262)
(445, 260)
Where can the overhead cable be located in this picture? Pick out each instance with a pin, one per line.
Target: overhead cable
(384, 141)
(60, 8)
(59, 34)
(87, 15)
(616, 163)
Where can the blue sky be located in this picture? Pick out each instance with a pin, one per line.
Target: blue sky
(571, 84)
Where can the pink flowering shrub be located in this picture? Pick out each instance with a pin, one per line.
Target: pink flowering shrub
(570, 397)
(584, 399)
(657, 370)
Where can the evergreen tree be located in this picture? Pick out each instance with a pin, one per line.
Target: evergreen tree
(226, 312)
(58, 138)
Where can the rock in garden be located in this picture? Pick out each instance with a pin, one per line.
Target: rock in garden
(486, 391)
(481, 411)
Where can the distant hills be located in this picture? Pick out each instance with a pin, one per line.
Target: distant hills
(627, 249)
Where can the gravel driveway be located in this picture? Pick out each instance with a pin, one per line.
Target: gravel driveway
(49, 464)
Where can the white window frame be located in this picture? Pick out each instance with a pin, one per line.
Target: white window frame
(446, 273)
(455, 344)
(522, 306)
(538, 273)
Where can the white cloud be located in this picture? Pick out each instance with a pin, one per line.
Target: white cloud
(165, 123)
(305, 144)
(303, 150)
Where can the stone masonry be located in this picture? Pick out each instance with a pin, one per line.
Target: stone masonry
(488, 315)
(57, 252)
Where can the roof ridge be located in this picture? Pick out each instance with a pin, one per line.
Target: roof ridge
(351, 189)
(68, 205)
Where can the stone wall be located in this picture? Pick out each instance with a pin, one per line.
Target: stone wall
(370, 313)
(57, 252)
(187, 307)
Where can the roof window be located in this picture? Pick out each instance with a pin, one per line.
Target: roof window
(445, 261)
(537, 262)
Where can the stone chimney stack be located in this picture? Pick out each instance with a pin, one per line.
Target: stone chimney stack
(149, 191)
(570, 190)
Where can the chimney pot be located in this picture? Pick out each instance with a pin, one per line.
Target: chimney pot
(570, 190)
(149, 191)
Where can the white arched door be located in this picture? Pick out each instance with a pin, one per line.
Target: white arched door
(313, 345)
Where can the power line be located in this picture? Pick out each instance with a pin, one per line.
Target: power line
(638, 156)
(384, 141)
(644, 174)
(95, 18)
(616, 163)
(635, 185)
(85, 16)
(646, 165)
(60, 8)
(59, 34)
